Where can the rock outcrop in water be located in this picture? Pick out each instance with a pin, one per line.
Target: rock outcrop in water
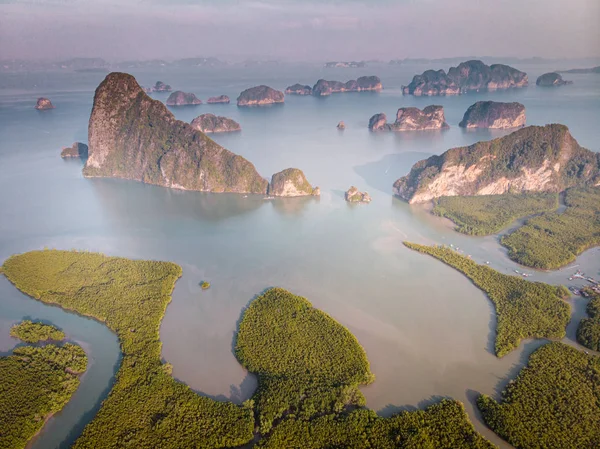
(210, 123)
(551, 79)
(161, 87)
(364, 83)
(378, 122)
(217, 100)
(354, 196)
(341, 125)
(291, 182)
(494, 115)
(468, 76)
(411, 119)
(532, 159)
(179, 98)
(298, 89)
(132, 136)
(78, 149)
(43, 104)
(260, 96)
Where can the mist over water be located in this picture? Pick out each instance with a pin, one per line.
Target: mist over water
(428, 332)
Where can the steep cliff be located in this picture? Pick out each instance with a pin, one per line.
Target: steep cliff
(78, 149)
(535, 158)
(467, 76)
(493, 114)
(132, 136)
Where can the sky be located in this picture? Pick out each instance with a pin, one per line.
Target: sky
(298, 30)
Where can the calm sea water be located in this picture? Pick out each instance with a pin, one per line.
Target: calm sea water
(427, 330)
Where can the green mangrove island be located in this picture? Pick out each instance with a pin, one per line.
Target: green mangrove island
(588, 332)
(31, 332)
(524, 309)
(309, 368)
(489, 214)
(36, 382)
(554, 239)
(553, 403)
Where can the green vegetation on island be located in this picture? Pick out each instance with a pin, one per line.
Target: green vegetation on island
(31, 332)
(588, 332)
(444, 425)
(146, 407)
(307, 363)
(35, 383)
(489, 214)
(309, 368)
(524, 309)
(556, 239)
(553, 403)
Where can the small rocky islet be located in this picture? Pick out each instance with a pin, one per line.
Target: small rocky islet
(551, 79)
(260, 96)
(468, 76)
(494, 115)
(291, 182)
(179, 98)
(298, 89)
(221, 99)
(43, 104)
(411, 119)
(353, 195)
(211, 123)
(78, 149)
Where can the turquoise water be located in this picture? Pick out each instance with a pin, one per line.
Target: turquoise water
(427, 331)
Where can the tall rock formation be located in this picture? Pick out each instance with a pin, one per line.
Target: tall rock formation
(132, 136)
(291, 182)
(532, 159)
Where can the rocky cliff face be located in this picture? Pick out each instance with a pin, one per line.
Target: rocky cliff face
(260, 96)
(411, 119)
(495, 115)
(132, 136)
(78, 149)
(291, 182)
(378, 122)
(219, 99)
(353, 195)
(210, 123)
(415, 119)
(43, 104)
(551, 79)
(364, 83)
(179, 98)
(298, 89)
(535, 158)
(468, 76)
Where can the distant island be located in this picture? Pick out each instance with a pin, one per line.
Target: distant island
(43, 104)
(220, 99)
(158, 87)
(535, 158)
(411, 119)
(590, 70)
(468, 76)
(179, 98)
(260, 96)
(298, 89)
(210, 123)
(494, 115)
(364, 83)
(551, 79)
(291, 182)
(345, 64)
(353, 195)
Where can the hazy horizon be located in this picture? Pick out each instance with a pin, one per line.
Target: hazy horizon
(295, 30)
